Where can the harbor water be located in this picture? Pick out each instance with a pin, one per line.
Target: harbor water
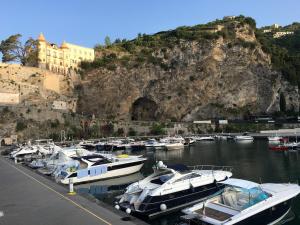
(251, 161)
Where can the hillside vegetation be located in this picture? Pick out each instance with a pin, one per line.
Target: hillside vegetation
(284, 51)
(143, 49)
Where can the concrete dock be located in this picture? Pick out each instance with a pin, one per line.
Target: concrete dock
(27, 198)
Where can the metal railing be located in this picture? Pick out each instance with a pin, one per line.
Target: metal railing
(211, 167)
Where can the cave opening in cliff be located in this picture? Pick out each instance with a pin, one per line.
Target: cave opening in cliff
(144, 109)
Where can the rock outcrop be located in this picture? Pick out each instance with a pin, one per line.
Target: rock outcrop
(230, 78)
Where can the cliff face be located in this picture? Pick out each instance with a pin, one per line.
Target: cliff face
(200, 79)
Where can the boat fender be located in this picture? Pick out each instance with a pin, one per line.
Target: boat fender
(117, 207)
(128, 211)
(163, 207)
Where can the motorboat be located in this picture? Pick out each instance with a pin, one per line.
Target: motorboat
(152, 143)
(222, 137)
(28, 151)
(100, 166)
(244, 202)
(88, 145)
(279, 148)
(172, 139)
(275, 139)
(117, 145)
(285, 146)
(205, 138)
(189, 141)
(63, 158)
(174, 145)
(171, 188)
(243, 138)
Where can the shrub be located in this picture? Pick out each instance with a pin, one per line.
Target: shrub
(157, 129)
(131, 132)
(20, 126)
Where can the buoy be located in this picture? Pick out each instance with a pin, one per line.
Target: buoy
(128, 211)
(117, 207)
(163, 207)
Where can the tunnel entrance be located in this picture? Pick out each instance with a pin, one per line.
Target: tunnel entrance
(144, 109)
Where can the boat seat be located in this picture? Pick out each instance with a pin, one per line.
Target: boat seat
(230, 200)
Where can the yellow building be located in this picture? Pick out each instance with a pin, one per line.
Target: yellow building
(63, 59)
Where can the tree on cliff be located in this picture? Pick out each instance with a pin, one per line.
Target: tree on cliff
(107, 41)
(13, 50)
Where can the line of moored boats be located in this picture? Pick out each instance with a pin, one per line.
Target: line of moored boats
(204, 194)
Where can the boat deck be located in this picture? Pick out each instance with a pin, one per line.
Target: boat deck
(214, 214)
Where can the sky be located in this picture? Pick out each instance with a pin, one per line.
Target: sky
(87, 22)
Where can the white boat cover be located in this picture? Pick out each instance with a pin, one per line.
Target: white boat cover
(240, 183)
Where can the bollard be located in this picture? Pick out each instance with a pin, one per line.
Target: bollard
(16, 160)
(71, 187)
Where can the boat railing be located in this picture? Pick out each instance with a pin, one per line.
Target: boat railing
(211, 167)
(104, 152)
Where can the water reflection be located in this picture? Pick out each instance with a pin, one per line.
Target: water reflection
(107, 189)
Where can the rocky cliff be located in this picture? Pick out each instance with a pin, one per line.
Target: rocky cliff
(191, 73)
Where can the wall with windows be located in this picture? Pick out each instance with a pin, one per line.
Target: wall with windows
(62, 59)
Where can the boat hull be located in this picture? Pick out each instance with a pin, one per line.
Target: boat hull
(270, 216)
(171, 147)
(125, 170)
(150, 208)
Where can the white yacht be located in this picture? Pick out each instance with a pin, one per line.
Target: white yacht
(243, 138)
(205, 138)
(174, 145)
(99, 167)
(244, 202)
(170, 189)
(152, 143)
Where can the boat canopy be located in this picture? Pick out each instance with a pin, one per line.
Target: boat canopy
(240, 183)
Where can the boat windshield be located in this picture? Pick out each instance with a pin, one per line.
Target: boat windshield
(161, 178)
(242, 198)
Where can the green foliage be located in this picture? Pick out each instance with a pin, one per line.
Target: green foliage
(245, 44)
(153, 49)
(55, 123)
(285, 53)
(107, 129)
(5, 110)
(120, 132)
(107, 41)
(13, 50)
(157, 129)
(131, 132)
(20, 126)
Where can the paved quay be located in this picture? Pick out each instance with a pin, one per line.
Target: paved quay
(27, 198)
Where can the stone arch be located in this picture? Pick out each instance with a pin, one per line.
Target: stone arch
(144, 109)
